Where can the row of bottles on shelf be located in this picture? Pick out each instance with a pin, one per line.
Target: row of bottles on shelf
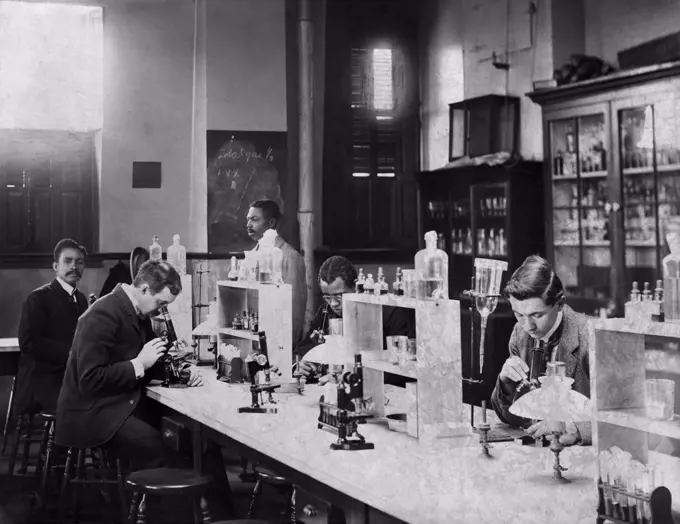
(644, 157)
(489, 242)
(638, 190)
(378, 286)
(565, 163)
(492, 207)
(593, 222)
(625, 486)
(176, 254)
(646, 305)
(436, 210)
(264, 265)
(246, 322)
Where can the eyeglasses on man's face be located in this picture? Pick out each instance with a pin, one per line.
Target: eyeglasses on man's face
(334, 298)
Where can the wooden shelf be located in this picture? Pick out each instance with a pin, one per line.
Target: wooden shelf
(239, 333)
(246, 284)
(621, 325)
(407, 370)
(381, 300)
(635, 418)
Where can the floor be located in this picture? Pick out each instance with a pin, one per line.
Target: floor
(17, 502)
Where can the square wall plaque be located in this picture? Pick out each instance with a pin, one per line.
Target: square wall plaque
(146, 175)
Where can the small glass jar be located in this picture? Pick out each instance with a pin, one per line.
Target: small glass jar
(270, 261)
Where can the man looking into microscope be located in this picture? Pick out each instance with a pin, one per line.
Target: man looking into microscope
(537, 299)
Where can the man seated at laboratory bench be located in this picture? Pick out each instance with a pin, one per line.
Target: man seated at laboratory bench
(537, 299)
(337, 276)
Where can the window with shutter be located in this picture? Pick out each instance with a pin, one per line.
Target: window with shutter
(375, 128)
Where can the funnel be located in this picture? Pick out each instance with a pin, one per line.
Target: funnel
(488, 274)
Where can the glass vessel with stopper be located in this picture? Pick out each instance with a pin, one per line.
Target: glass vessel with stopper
(432, 270)
(397, 288)
(369, 285)
(633, 307)
(488, 274)
(177, 256)
(155, 250)
(361, 281)
(671, 275)
(233, 271)
(270, 259)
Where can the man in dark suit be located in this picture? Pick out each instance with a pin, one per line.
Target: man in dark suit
(537, 299)
(48, 323)
(114, 355)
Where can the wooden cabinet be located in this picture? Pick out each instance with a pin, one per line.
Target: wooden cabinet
(612, 178)
(47, 190)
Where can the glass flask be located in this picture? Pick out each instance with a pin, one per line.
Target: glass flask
(155, 250)
(488, 275)
(270, 259)
(177, 256)
(671, 275)
(432, 270)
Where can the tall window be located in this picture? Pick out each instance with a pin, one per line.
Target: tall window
(51, 83)
(374, 123)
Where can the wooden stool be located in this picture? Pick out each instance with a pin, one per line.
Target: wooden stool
(167, 481)
(289, 512)
(45, 455)
(30, 429)
(8, 417)
(98, 471)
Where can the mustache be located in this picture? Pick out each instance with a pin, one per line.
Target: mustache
(73, 272)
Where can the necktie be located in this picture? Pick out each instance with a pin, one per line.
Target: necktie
(73, 297)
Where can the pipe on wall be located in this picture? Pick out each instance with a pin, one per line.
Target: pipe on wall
(306, 200)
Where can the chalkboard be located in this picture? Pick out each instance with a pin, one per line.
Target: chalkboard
(243, 166)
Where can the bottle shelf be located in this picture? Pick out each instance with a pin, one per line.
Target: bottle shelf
(408, 369)
(247, 284)
(649, 169)
(635, 418)
(640, 243)
(382, 300)
(239, 333)
(572, 178)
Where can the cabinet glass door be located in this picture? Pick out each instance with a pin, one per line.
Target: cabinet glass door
(581, 238)
(650, 185)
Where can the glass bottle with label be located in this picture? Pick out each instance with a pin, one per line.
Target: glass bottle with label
(177, 256)
(270, 259)
(155, 250)
(432, 270)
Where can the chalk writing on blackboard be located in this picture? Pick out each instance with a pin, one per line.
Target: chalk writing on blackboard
(242, 167)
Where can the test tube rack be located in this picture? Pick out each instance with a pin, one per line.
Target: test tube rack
(654, 508)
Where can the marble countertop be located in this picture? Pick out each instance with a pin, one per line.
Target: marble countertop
(9, 345)
(447, 481)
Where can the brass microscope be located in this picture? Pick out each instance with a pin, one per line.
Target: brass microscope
(349, 411)
(256, 362)
(175, 367)
(537, 369)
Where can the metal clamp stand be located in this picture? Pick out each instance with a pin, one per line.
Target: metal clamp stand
(297, 375)
(484, 427)
(474, 382)
(199, 306)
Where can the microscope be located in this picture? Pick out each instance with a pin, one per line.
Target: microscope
(349, 411)
(537, 369)
(256, 362)
(176, 374)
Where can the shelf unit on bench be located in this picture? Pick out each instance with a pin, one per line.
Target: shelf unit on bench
(274, 306)
(435, 388)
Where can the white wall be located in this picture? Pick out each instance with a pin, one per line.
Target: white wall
(614, 25)
(459, 38)
(148, 90)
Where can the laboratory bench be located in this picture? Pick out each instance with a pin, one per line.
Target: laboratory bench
(403, 479)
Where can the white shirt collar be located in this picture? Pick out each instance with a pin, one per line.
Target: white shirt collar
(67, 287)
(557, 323)
(131, 295)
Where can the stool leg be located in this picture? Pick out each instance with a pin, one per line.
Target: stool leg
(253, 499)
(43, 448)
(63, 491)
(27, 446)
(15, 445)
(80, 466)
(293, 509)
(121, 489)
(204, 517)
(47, 466)
(134, 507)
(141, 512)
(8, 417)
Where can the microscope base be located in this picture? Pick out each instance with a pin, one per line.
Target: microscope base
(251, 409)
(352, 446)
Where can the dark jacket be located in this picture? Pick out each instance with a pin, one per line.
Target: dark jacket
(100, 389)
(46, 329)
(396, 321)
(572, 349)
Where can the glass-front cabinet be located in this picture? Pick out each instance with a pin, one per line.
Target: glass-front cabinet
(612, 158)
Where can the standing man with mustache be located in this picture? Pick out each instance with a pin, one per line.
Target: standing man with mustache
(263, 215)
(48, 323)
